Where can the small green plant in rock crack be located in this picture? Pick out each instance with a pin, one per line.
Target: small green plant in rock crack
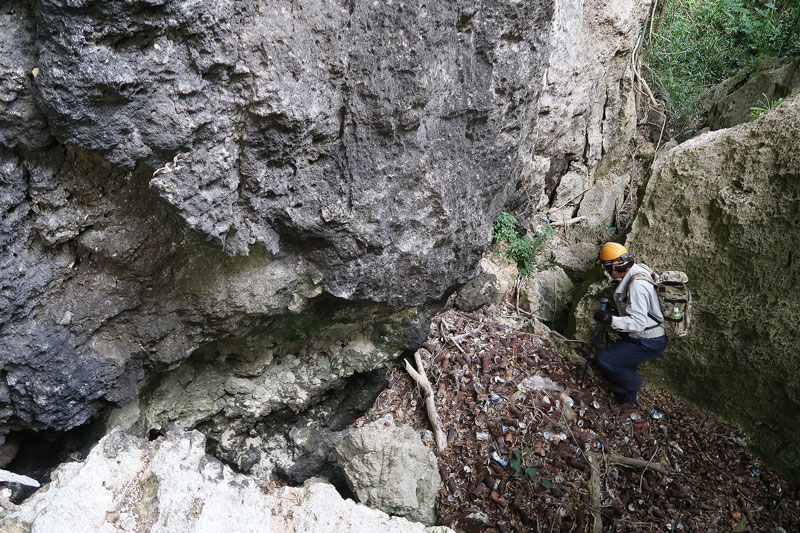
(762, 107)
(521, 249)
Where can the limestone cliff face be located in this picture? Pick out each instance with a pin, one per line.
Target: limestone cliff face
(725, 207)
(332, 153)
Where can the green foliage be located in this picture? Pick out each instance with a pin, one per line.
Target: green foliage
(758, 110)
(702, 42)
(505, 227)
(517, 463)
(522, 249)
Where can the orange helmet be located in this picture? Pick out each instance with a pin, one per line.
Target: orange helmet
(614, 254)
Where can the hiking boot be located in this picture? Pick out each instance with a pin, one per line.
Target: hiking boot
(616, 389)
(625, 397)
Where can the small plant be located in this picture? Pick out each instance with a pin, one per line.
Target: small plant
(762, 107)
(518, 464)
(504, 228)
(521, 249)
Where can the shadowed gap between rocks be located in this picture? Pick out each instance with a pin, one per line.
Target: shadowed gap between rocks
(40, 452)
(310, 435)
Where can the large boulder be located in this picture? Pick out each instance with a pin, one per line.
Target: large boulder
(389, 467)
(724, 208)
(579, 259)
(493, 285)
(170, 485)
(547, 293)
(207, 179)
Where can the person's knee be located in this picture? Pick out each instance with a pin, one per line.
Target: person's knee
(602, 361)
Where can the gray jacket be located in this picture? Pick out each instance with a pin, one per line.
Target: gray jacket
(633, 317)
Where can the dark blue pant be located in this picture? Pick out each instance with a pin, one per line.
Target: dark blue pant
(620, 360)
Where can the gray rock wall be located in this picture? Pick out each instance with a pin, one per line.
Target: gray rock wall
(725, 208)
(356, 149)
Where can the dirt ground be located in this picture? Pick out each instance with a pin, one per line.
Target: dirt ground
(531, 449)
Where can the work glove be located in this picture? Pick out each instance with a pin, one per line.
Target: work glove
(602, 316)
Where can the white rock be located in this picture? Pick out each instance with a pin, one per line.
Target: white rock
(389, 467)
(171, 486)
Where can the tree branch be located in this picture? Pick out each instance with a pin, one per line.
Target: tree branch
(421, 378)
(635, 463)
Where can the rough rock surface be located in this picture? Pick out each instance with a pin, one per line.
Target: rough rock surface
(733, 98)
(578, 88)
(547, 293)
(497, 278)
(353, 151)
(170, 485)
(577, 259)
(600, 204)
(725, 207)
(390, 468)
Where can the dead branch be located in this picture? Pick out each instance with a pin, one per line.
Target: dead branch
(567, 222)
(595, 493)
(654, 33)
(641, 477)
(421, 378)
(635, 463)
(456, 344)
(573, 198)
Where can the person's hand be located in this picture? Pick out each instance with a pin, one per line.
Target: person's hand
(603, 316)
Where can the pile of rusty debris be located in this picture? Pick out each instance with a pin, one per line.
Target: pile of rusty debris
(528, 449)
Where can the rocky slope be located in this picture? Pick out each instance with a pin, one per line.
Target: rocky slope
(529, 448)
(533, 447)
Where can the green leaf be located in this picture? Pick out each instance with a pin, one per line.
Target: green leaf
(516, 465)
(518, 454)
(531, 472)
(546, 484)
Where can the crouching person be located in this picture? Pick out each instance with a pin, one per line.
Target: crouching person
(639, 317)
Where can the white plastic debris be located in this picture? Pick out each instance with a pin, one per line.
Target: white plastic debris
(11, 477)
(538, 383)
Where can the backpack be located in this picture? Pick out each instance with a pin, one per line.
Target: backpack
(674, 298)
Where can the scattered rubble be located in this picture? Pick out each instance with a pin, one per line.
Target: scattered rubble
(530, 450)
